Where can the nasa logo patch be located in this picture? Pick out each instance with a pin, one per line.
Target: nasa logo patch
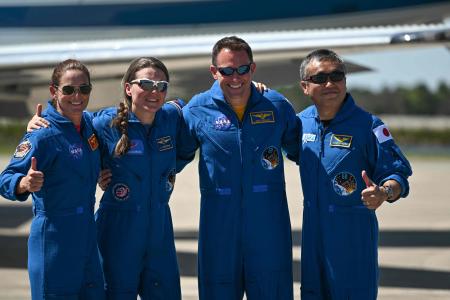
(344, 183)
(76, 151)
(22, 149)
(136, 147)
(121, 191)
(222, 123)
(270, 158)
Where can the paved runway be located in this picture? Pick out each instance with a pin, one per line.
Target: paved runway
(414, 236)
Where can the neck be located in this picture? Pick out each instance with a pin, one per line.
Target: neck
(145, 117)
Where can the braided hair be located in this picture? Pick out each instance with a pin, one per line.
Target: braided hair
(121, 120)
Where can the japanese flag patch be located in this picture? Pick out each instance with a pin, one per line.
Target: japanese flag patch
(382, 133)
(22, 149)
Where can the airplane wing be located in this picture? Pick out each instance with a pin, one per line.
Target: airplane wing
(27, 56)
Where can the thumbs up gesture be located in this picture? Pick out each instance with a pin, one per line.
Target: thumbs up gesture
(33, 181)
(37, 121)
(372, 196)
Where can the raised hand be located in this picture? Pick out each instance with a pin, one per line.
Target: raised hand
(37, 121)
(372, 196)
(33, 181)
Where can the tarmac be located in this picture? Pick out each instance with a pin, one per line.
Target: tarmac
(414, 250)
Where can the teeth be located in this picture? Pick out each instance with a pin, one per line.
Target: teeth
(235, 86)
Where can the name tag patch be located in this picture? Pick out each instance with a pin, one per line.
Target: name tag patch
(261, 117)
(341, 140)
(164, 143)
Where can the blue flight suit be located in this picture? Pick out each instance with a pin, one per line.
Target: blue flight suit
(245, 239)
(135, 232)
(339, 234)
(63, 261)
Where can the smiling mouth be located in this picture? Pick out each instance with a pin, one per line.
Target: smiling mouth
(235, 86)
(76, 103)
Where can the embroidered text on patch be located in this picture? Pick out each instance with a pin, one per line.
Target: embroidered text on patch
(164, 143)
(261, 117)
(308, 137)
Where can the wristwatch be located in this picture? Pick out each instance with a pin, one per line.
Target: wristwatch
(389, 192)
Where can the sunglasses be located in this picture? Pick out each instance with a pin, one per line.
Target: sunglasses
(321, 78)
(84, 89)
(241, 70)
(150, 85)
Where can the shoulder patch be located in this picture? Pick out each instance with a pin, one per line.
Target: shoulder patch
(382, 133)
(22, 149)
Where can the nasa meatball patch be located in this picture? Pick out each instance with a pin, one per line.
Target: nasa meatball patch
(344, 183)
(222, 123)
(22, 149)
(270, 158)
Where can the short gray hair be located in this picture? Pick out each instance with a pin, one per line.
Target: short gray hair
(321, 55)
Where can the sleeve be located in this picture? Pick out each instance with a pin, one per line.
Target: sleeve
(389, 161)
(187, 142)
(20, 163)
(290, 142)
(106, 138)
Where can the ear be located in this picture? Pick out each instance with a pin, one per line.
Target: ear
(53, 91)
(214, 71)
(253, 68)
(128, 89)
(304, 87)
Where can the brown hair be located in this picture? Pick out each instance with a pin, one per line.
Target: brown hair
(62, 67)
(233, 43)
(121, 120)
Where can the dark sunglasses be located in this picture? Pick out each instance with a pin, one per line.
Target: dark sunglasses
(84, 89)
(150, 85)
(321, 78)
(241, 70)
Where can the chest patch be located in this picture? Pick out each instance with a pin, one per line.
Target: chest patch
(261, 117)
(344, 183)
(22, 149)
(121, 191)
(76, 151)
(270, 158)
(93, 142)
(308, 137)
(136, 147)
(341, 140)
(222, 123)
(164, 143)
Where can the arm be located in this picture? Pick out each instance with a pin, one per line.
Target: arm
(187, 142)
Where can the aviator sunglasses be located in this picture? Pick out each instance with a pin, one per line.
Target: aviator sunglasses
(67, 90)
(150, 85)
(321, 78)
(241, 70)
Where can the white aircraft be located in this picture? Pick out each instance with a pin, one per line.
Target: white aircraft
(106, 35)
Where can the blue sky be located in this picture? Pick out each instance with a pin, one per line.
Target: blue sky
(407, 66)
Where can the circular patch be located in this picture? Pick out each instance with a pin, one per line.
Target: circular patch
(170, 183)
(22, 149)
(222, 123)
(121, 191)
(386, 132)
(76, 151)
(344, 183)
(270, 158)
